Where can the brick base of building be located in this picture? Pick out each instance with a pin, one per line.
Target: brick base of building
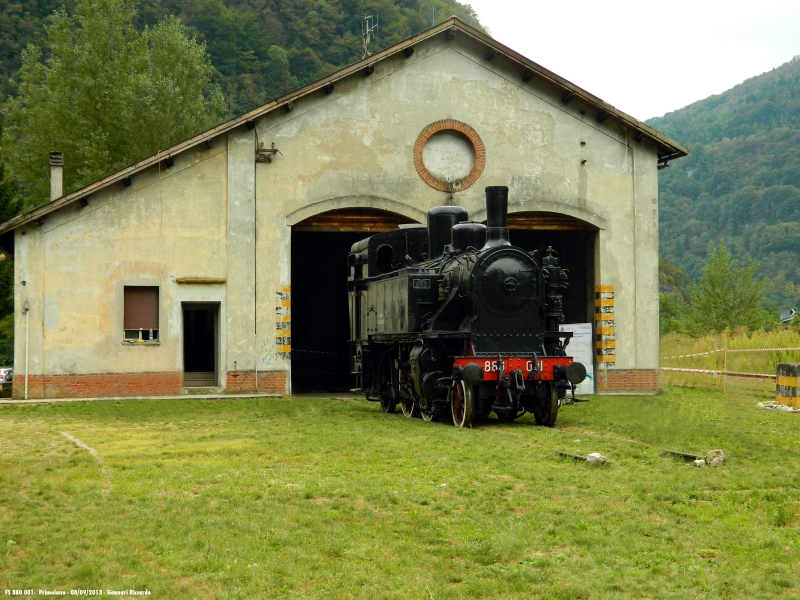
(99, 385)
(627, 381)
(250, 382)
(143, 385)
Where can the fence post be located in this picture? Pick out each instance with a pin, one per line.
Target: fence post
(725, 363)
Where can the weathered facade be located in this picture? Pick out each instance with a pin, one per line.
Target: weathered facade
(212, 224)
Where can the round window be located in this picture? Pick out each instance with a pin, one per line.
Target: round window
(449, 155)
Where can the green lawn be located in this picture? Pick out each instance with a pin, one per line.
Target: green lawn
(333, 499)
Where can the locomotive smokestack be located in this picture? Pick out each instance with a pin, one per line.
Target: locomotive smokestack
(496, 216)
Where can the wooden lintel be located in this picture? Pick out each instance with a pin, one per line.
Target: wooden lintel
(200, 280)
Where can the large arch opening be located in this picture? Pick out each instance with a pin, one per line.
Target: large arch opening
(574, 240)
(320, 321)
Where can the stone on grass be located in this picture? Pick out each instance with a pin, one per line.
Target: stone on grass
(699, 463)
(715, 458)
(775, 405)
(595, 457)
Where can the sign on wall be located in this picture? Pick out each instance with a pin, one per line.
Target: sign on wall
(581, 348)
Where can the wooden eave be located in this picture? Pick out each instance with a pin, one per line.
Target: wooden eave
(667, 148)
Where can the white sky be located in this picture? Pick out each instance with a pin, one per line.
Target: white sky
(648, 57)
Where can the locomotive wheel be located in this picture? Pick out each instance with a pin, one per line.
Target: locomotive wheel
(462, 404)
(388, 404)
(410, 408)
(428, 416)
(547, 417)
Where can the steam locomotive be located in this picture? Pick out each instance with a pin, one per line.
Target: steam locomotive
(452, 320)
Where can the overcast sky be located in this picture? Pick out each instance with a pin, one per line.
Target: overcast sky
(648, 58)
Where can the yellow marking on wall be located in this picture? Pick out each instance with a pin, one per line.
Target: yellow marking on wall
(606, 331)
(604, 316)
(283, 322)
(604, 302)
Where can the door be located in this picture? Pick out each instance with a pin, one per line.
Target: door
(200, 325)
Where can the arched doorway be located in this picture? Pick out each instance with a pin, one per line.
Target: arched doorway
(320, 322)
(574, 240)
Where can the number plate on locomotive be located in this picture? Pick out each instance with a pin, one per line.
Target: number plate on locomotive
(421, 284)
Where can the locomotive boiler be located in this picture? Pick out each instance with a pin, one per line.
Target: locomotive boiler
(452, 321)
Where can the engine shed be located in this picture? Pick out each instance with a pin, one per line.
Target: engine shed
(220, 265)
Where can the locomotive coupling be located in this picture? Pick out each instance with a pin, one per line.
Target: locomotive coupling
(574, 372)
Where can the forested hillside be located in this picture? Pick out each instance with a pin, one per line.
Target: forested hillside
(259, 48)
(741, 181)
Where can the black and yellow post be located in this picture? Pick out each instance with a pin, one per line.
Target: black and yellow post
(788, 384)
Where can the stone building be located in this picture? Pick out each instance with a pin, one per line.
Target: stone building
(221, 262)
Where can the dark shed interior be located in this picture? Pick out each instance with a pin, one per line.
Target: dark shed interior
(320, 320)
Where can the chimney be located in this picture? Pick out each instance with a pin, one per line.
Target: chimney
(496, 217)
(56, 175)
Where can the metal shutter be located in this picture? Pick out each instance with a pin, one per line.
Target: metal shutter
(141, 307)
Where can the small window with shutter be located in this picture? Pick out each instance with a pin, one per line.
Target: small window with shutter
(141, 313)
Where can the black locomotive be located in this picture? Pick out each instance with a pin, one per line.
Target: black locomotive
(453, 320)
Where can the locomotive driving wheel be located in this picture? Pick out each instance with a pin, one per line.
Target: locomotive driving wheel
(410, 407)
(462, 402)
(428, 416)
(388, 404)
(547, 416)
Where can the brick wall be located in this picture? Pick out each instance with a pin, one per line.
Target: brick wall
(99, 385)
(611, 381)
(113, 385)
(244, 382)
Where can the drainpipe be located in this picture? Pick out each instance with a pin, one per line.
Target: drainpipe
(56, 175)
(26, 308)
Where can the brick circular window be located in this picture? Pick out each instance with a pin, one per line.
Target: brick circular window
(449, 155)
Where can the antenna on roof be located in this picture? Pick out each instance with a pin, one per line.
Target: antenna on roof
(368, 28)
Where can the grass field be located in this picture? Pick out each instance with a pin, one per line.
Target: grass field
(329, 498)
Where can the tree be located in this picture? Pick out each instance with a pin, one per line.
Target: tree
(727, 296)
(107, 96)
(9, 208)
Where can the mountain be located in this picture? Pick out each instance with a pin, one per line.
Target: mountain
(741, 180)
(259, 48)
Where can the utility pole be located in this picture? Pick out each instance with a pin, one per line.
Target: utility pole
(433, 16)
(368, 28)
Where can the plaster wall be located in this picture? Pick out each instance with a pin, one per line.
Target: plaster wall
(168, 224)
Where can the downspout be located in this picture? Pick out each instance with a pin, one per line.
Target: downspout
(255, 260)
(26, 308)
